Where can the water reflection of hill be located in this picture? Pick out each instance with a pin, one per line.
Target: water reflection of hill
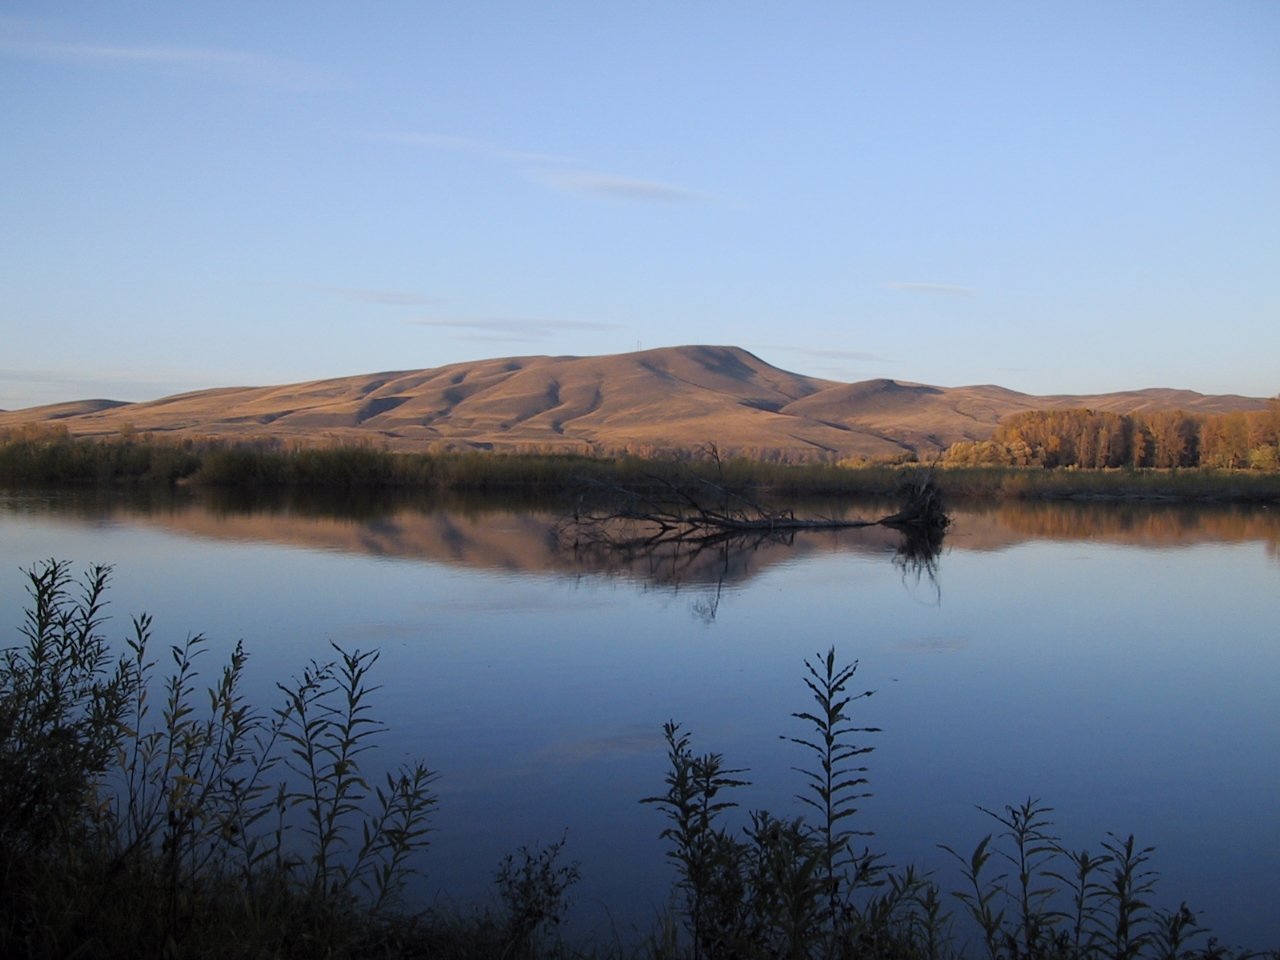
(521, 542)
(509, 537)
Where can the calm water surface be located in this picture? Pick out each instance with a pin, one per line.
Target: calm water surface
(1122, 663)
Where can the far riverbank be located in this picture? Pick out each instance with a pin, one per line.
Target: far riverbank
(146, 460)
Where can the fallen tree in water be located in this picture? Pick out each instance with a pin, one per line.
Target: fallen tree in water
(690, 508)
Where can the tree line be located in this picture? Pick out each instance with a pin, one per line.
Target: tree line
(1099, 439)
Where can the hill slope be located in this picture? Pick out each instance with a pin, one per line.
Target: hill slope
(675, 397)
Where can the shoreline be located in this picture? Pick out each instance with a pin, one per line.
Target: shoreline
(144, 461)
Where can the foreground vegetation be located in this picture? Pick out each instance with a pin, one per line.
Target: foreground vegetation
(45, 457)
(139, 828)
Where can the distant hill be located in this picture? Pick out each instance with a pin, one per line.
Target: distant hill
(644, 402)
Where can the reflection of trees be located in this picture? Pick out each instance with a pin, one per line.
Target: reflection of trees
(692, 513)
(520, 535)
(918, 552)
(1164, 524)
(703, 533)
(719, 558)
(710, 563)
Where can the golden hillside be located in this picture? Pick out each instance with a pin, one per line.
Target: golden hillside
(644, 402)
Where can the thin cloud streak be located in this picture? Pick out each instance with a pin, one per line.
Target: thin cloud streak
(555, 171)
(229, 64)
(937, 289)
(604, 186)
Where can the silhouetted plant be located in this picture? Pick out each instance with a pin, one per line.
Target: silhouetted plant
(785, 886)
(1108, 914)
(61, 706)
(904, 918)
(980, 899)
(1086, 895)
(535, 893)
(123, 835)
(1130, 917)
(1033, 850)
(1172, 930)
(835, 786)
(172, 837)
(325, 722)
(707, 858)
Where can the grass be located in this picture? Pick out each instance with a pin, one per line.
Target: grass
(1037, 483)
(141, 818)
(58, 458)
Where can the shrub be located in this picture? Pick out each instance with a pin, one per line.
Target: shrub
(219, 833)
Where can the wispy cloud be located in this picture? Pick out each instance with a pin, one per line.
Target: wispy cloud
(508, 329)
(397, 298)
(558, 172)
(232, 65)
(605, 186)
(937, 289)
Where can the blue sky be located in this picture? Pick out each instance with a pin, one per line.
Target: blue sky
(1056, 197)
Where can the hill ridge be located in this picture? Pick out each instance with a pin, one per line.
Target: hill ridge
(646, 402)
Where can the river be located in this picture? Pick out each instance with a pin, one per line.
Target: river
(1120, 662)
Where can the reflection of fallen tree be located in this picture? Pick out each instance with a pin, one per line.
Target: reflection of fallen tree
(692, 509)
(713, 560)
(688, 528)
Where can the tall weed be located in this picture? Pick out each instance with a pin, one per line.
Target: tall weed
(142, 816)
(777, 887)
(186, 831)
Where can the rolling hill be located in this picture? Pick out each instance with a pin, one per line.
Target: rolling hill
(643, 402)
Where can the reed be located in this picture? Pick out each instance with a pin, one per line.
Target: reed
(50, 456)
(1069, 483)
(142, 818)
(787, 888)
(59, 458)
(134, 828)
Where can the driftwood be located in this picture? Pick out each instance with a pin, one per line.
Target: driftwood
(683, 528)
(695, 510)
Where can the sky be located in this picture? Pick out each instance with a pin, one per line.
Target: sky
(1066, 197)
